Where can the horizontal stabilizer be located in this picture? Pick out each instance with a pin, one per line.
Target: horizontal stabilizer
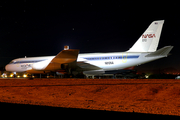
(161, 52)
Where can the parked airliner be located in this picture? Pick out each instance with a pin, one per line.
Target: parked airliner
(144, 50)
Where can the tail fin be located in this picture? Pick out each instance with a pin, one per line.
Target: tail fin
(149, 40)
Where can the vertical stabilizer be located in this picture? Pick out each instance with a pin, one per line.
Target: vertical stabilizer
(149, 40)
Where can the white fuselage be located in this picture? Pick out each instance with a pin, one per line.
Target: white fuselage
(105, 61)
(114, 61)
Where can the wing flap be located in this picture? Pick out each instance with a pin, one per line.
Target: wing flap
(86, 66)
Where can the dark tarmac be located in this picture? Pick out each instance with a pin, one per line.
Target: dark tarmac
(31, 111)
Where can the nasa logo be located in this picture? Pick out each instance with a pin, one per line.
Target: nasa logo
(25, 66)
(148, 35)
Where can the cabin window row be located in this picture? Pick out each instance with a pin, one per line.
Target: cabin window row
(117, 57)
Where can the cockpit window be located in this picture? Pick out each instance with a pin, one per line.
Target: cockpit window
(12, 62)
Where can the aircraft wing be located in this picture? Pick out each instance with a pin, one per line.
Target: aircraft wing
(86, 66)
(66, 56)
(64, 60)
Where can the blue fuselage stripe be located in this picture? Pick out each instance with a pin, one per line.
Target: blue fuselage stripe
(23, 61)
(112, 57)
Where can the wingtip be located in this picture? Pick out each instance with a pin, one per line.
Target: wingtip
(158, 21)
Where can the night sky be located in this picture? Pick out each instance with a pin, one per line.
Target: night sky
(42, 28)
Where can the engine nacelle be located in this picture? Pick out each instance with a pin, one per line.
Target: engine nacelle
(64, 66)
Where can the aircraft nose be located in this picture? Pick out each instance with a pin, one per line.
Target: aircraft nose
(7, 67)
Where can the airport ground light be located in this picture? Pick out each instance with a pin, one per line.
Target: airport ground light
(148, 75)
(12, 75)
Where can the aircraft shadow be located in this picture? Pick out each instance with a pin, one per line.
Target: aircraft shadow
(31, 111)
